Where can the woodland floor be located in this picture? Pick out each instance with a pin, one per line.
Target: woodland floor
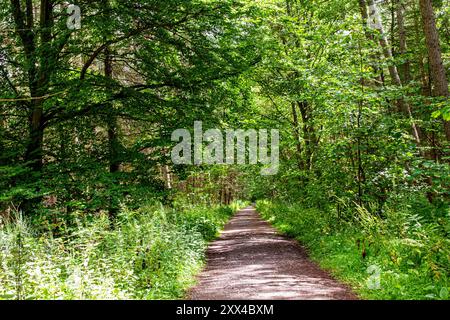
(252, 261)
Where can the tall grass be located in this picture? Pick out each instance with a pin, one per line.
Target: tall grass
(408, 252)
(150, 253)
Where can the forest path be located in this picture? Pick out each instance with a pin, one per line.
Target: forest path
(252, 261)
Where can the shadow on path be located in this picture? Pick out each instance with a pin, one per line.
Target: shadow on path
(252, 261)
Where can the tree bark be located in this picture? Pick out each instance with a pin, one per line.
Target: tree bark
(39, 67)
(374, 57)
(426, 88)
(439, 78)
(406, 66)
(113, 141)
(376, 22)
(309, 133)
(297, 136)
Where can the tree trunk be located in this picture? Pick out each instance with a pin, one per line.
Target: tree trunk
(406, 66)
(297, 136)
(39, 67)
(167, 176)
(113, 141)
(309, 134)
(403, 106)
(376, 22)
(439, 78)
(33, 154)
(374, 57)
(114, 164)
(426, 88)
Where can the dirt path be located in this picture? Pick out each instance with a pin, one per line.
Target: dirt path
(252, 261)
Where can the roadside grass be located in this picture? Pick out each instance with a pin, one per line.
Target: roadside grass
(150, 253)
(402, 256)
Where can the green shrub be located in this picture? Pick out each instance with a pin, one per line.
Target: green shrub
(151, 253)
(411, 252)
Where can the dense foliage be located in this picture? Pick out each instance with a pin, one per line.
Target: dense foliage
(409, 253)
(357, 88)
(152, 253)
(365, 163)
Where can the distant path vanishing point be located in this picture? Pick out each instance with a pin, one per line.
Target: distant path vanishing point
(252, 261)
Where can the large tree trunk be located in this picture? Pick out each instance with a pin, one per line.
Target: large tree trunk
(39, 67)
(374, 16)
(113, 141)
(112, 122)
(112, 128)
(426, 88)
(439, 77)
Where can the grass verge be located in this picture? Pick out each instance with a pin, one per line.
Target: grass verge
(402, 256)
(151, 253)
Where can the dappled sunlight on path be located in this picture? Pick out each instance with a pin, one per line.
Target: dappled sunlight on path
(252, 261)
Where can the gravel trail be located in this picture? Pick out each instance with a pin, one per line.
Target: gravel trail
(252, 261)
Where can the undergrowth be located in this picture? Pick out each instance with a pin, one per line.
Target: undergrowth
(402, 255)
(150, 253)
